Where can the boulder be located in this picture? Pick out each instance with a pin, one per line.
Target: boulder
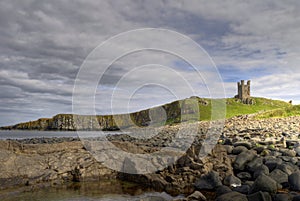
(279, 176)
(288, 168)
(238, 150)
(228, 148)
(259, 196)
(296, 198)
(221, 190)
(288, 152)
(253, 165)
(264, 183)
(232, 181)
(297, 150)
(244, 176)
(245, 189)
(242, 159)
(208, 181)
(244, 144)
(282, 197)
(232, 196)
(196, 196)
(273, 162)
(294, 181)
(261, 170)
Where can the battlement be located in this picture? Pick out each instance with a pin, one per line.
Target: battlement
(243, 90)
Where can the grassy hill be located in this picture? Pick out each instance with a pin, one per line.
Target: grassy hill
(291, 110)
(235, 107)
(175, 112)
(260, 105)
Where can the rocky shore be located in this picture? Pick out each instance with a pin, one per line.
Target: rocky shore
(253, 160)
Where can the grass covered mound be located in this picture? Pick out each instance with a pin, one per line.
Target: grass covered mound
(292, 110)
(235, 107)
(171, 113)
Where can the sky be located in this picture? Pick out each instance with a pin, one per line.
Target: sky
(44, 44)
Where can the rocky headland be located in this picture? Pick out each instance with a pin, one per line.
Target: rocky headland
(253, 160)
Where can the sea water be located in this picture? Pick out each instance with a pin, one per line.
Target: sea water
(25, 134)
(87, 191)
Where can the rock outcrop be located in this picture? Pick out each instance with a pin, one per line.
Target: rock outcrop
(31, 164)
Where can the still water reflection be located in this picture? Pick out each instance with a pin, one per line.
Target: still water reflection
(88, 191)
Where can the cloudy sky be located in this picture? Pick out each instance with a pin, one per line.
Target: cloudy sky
(43, 45)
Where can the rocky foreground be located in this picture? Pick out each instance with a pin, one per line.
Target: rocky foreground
(253, 160)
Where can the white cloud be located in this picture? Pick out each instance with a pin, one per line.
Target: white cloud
(43, 44)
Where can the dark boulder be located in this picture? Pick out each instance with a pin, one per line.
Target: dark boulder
(254, 164)
(208, 181)
(261, 170)
(259, 196)
(264, 183)
(272, 163)
(242, 159)
(282, 197)
(232, 196)
(245, 189)
(244, 144)
(232, 181)
(221, 190)
(244, 176)
(294, 181)
(196, 196)
(279, 176)
(238, 150)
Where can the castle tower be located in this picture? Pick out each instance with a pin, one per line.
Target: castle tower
(243, 90)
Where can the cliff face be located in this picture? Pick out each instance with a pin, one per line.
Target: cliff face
(70, 122)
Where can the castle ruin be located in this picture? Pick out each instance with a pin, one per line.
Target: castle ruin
(244, 92)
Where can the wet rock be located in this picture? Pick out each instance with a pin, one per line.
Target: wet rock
(294, 181)
(196, 196)
(253, 165)
(208, 181)
(279, 176)
(242, 159)
(232, 196)
(245, 189)
(228, 148)
(228, 141)
(243, 144)
(288, 168)
(261, 170)
(259, 196)
(239, 149)
(221, 190)
(294, 160)
(296, 198)
(232, 181)
(272, 163)
(288, 152)
(282, 197)
(259, 149)
(264, 183)
(244, 176)
(297, 150)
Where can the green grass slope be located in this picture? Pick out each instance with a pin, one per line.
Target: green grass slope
(235, 107)
(292, 110)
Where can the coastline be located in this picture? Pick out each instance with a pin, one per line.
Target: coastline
(249, 153)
